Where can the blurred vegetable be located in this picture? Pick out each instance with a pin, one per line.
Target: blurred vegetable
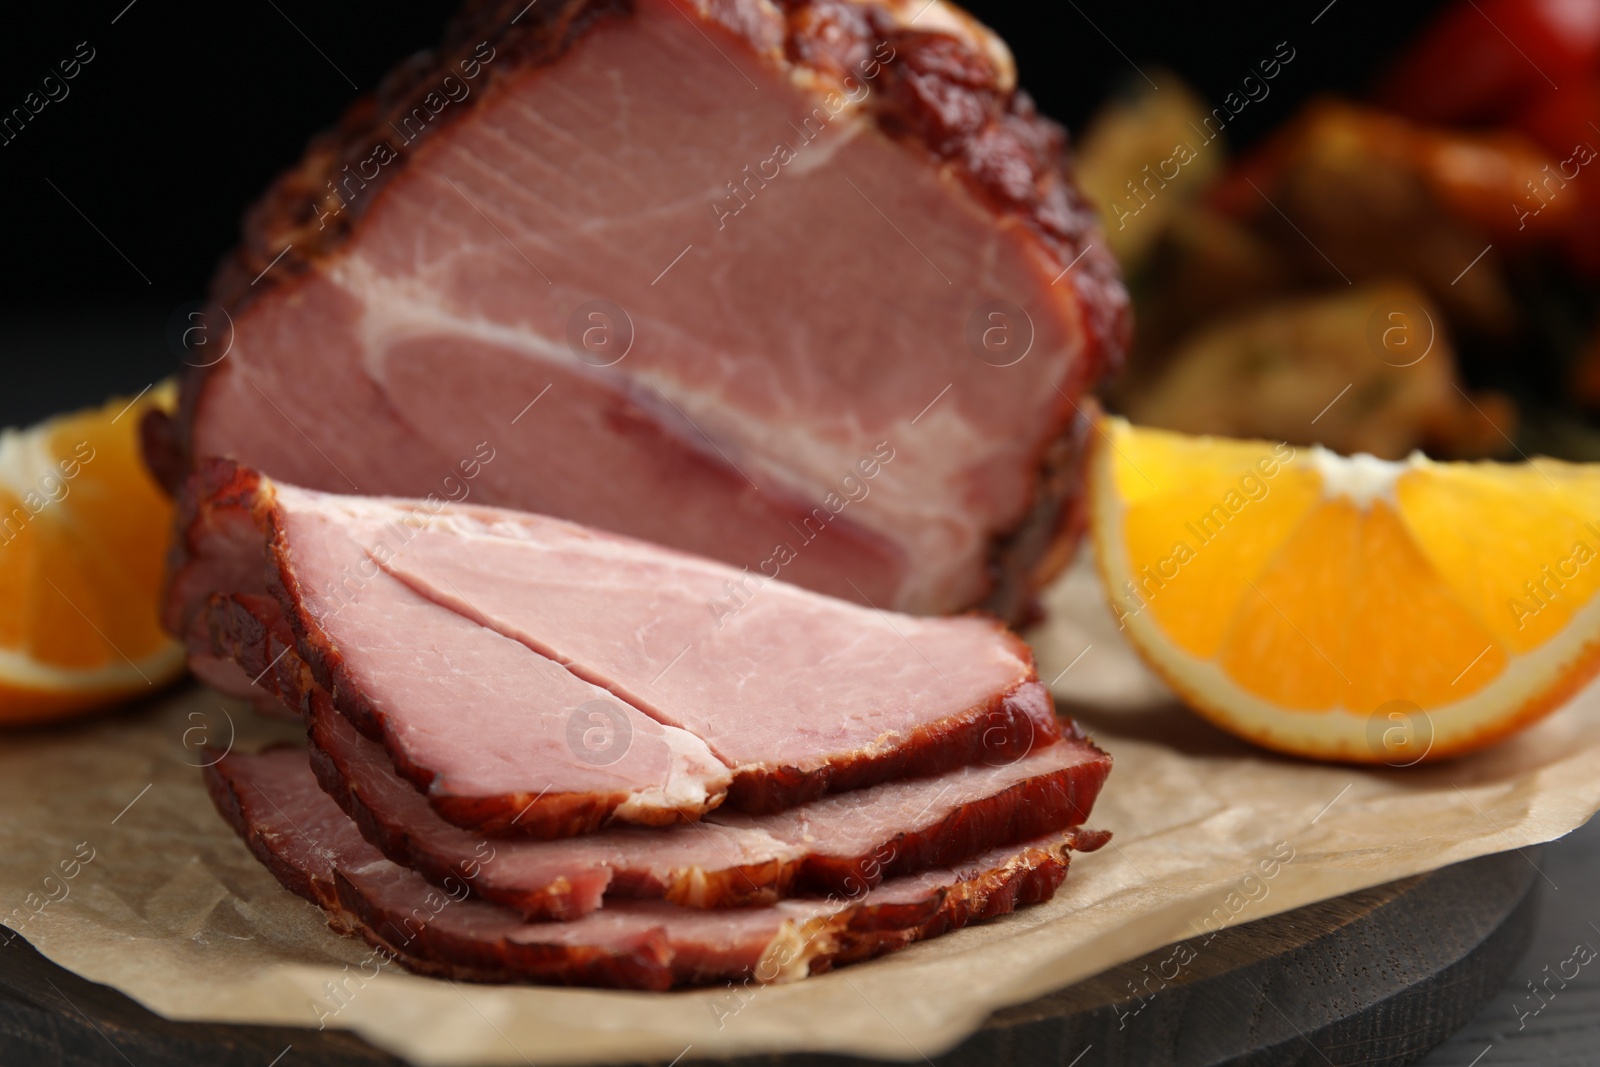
(1486, 179)
(1255, 288)
(1565, 123)
(1354, 194)
(1365, 371)
(1203, 266)
(1585, 379)
(1142, 158)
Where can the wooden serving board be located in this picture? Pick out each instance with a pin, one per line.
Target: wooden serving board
(1375, 977)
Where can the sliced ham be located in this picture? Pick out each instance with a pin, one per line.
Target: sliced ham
(274, 803)
(479, 721)
(797, 694)
(836, 844)
(839, 844)
(801, 285)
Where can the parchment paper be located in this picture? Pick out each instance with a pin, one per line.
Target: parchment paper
(171, 909)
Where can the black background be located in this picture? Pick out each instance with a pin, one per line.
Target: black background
(188, 109)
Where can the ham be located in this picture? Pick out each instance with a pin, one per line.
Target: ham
(835, 844)
(478, 720)
(273, 802)
(801, 285)
(477, 693)
(840, 844)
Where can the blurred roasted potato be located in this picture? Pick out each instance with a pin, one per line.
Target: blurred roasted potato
(1140, 162)
(1365, 370)
(1352, 194)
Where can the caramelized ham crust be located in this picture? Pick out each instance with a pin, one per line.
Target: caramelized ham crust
(273, 801)
(802, 285)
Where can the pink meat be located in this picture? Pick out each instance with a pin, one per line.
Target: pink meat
(840, 844)
(484, 725)
(797, 692)
(479, 719)
(744, 278)
(299, 833)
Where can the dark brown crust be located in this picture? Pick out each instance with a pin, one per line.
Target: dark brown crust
(994, 893)
(1022, 563)
(940, 95)
(859, 932)
(642, 966)
(856, 933)
(224, 793)
(1026, 811)
(437, 953)
(999, 729)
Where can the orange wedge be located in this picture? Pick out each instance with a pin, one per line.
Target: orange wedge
(1350, 608)
(83, 530)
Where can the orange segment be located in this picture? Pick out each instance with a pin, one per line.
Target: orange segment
(1521, 551)
(1183, 526)
(1302, 606)
(1282, 637)
(83, 530)
(1411, 638)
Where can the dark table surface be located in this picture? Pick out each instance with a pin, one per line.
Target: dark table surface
(1517, 1028)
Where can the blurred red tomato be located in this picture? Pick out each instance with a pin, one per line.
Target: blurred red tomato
(1483, 60)
(1567, 124)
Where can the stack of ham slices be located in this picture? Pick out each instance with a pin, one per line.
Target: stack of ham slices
(540, 752)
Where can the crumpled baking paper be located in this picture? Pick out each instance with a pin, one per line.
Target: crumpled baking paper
(113, 864)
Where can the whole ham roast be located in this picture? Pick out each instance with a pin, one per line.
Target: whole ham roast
(801, 285)
(587, 429)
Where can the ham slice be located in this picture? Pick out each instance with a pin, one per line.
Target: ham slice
(479, 721)
(273, 801)
(802, 285)
(797, 694)
(840, 844)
